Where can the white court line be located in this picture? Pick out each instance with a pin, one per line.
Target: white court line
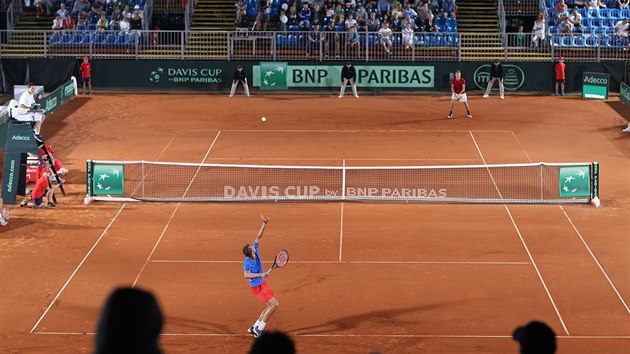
(531, 258)
(173, 214)
(351, 262)
(333, 158)
(579, 234)
(333, 335)
(77, 268)
(346, 130)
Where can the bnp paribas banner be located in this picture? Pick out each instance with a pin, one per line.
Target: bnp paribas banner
(280, 76)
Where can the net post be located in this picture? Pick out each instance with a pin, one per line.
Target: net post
(595, 184)
(89, 186)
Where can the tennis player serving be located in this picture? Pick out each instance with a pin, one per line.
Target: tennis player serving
(458, 92)
(255, 275)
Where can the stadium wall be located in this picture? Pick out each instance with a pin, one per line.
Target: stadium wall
(216, 76)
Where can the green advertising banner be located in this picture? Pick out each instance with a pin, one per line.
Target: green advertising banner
(574, 182)
(108, 180)
(513, 77)
(273, 76)
(624, 93)
(370, 76)
(595, 85)
(58, 97)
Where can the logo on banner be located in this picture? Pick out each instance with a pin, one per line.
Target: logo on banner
(51, 103)
(186, 75)
(156, 75)
(68, 90)
(574, 182)
(109, 180)
(273, 76)
(513, 77)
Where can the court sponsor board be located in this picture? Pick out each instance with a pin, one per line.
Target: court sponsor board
(595, 85)
(574, 182)
(108, 179)
(513, 77)
(368, 76)
(624, 93)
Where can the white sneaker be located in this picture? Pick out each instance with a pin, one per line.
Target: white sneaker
(627, 130)
(62, 171)
(450, 116)
(502, 97)
(356, 96)
(485, 96)
(3, 222)
(469, 115)
(340, 96)
(230, 96)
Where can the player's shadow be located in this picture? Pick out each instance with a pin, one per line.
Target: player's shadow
(381, 316)
(196, 325)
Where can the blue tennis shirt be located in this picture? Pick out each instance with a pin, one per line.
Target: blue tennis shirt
(254, 266)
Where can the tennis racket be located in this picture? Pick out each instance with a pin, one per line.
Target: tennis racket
(282, 258)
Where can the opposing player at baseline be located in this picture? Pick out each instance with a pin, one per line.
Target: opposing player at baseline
(255, 275)
(458, 92)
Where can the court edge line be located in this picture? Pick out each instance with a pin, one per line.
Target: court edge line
(333, 159)
(531, 258)
(579, 234)
(173, 214)
(77, 268)
(345, 130)
(454, 336)
(350, 262)
(595, 259)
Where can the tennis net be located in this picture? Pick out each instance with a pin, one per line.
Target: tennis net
(504, 183)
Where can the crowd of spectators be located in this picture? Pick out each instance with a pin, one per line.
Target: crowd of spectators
(345, 15)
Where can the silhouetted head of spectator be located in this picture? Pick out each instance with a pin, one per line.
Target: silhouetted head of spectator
(130, 323)
(535, 338)
(273, 343)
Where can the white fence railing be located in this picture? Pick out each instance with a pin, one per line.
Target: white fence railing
(314, 46)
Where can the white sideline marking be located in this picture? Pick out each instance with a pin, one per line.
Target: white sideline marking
(531, 258)
(77, 268)
(453, 336)
(173, 214)
(347, 130)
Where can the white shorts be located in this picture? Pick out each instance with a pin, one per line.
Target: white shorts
(29, 117)
(461, 97)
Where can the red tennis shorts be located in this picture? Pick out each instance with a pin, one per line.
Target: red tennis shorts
(263, 291)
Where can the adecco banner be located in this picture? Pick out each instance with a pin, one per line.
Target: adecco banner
(163, 74)
(370, 76)
(595, 85)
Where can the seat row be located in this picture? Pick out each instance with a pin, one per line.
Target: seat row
(97, 38)
(421, 40)
(589, 40)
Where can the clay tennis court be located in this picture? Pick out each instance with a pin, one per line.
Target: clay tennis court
(388, 277)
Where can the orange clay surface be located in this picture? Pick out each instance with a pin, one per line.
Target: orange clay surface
(388, 277)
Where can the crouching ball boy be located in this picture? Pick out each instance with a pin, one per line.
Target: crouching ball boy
(42, 190)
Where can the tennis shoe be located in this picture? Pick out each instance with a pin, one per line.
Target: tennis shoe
(63, 171)
(258, 332)
(251, 331)
(230, 96)
(3, 222)
(450, 116)
(469, 115)
(24, 203)
(485, 96)
(502, 97)
(340, 96)
(39, 138)
(627, 130)
(51, 205)
(356, 96)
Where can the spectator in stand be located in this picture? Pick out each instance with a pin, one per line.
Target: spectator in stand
(80, 5)
(57, 25)
(68, 24)
(449, 8)
(339, 14)
(86, 75)
(116, 18)
(119, 4)
(621, 28)
(136, 22)
(329, 8)
(560, 76)
(130, 322)
(396, 24)
(373, 24)
(96, 9)
(560, 6)
(273, 342)
(408, 11)
(102, 25)
(262, 18)
(293, 16)
(623, 4)
(535, 338)
(436, 7)
(240, 6)
(352, 42)
(408, 20)
(331, 40)
(562, 14)
(42, 6)
(384, 7)
(431, 24)
(576, 19)
(595, 4)
(312, 41)
(305, 17)
(127, 12)
(423, 17)
(317, 16)
(82, 21)
(538, 31)
(565, 26)
(63, 12)
(138, 10)
(407, 36)
(385, 36)
(350, 22)
(398, 10)
(361, 15)
(521, 37)
(124, 25)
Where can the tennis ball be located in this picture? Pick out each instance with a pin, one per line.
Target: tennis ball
(263, 119)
